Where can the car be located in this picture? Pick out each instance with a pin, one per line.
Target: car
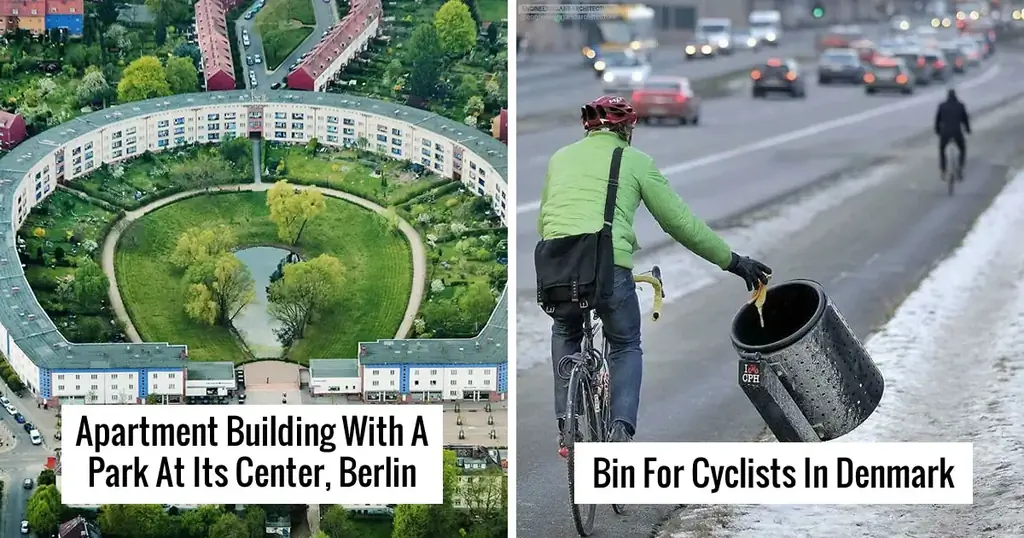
(245, 41)
(744, 40)
(27, 483)
(839, 37)
(258, 59)
(778, 76)
(24, 527)
(954, 57)
(670, 98)
(11, 410)
(840, 65)
(4, 401)
(35, 437)
(915, 60)
(249, 60)
(941, 69)
(19, 418)
(889, 74)
(698, 49)
(971, 51)
(28, 427)
(248, 15)
(275, 85)
(624, 71)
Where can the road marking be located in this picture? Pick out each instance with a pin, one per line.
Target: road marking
(799, 134)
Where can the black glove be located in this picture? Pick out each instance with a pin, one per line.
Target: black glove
(751, 271)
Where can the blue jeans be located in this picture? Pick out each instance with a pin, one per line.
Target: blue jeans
(621, 326)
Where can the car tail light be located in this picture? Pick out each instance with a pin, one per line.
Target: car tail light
(869, 78)
(959, 62)
(901, 79)
(920, 62)
(755, 74)
(637, 96)
(791, 76)
(939, 64)
(680, 98)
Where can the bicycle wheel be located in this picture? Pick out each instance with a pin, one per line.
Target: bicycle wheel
(606, 412)
(580, 409)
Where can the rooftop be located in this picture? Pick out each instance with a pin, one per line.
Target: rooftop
(211, 371)
(30, 327)
(212, 35)
(323, 368)
(360, 15)
(488, 347)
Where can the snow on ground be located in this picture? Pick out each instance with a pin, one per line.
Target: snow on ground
(950, 357)
(685, 273)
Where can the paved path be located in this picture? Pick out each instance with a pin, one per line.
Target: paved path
(419, 257)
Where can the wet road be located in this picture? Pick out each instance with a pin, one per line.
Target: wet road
(868, 239)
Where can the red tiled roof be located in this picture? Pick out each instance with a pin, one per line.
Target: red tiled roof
(360, 15)
(212, 35)
(6, 117)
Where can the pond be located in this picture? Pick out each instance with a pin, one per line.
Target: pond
(254, 324)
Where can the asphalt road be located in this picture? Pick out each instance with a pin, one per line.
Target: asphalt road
(326, 15)
(557, 83)
(22, 461)
(869, 250)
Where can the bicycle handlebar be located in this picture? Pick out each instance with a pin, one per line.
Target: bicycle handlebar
(654, 279)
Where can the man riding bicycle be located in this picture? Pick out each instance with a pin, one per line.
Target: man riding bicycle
(579, 184)
(949, 118)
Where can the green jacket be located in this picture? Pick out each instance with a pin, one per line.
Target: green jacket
(575, 190)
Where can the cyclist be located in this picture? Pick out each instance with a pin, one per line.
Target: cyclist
(573, 202)
(951, 121)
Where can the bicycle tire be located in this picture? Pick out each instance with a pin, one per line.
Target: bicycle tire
(606, 409)
(579, 403)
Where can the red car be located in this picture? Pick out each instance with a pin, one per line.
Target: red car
(669, 98)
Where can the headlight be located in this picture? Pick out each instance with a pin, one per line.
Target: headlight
(589, 53)
(637, 76)
(706, 49)
(770, 37)
(599, 65)
(724, 43)
(690, 49)
(751, 42)
(608, 77)
(904, 25)
(635, 45)
(935, 23)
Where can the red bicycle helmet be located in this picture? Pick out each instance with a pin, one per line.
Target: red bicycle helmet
(607, 111)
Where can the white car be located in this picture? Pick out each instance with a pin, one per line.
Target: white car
(10, 409)
(258, 59)
(4, 400)
(36, 438)
(624, 72)
(245, 41)
(24, 527)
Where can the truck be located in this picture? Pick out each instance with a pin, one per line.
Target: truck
(717, 32)
(766, 26)
(618, 28)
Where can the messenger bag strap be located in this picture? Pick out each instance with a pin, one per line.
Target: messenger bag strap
(613, 189)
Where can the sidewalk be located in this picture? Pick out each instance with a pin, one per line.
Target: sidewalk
(44, 420)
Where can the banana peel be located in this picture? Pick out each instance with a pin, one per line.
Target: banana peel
(759, 297)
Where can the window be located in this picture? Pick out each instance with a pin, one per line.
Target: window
(392, 383)
(349, 121)
(298, 125)
(113, 387)
(171, 386)
(381, 148)
(487, 382)
(453, 393)
(162, 133)
(375, 383)
(76, 151)
(113, 376)
(280, 134)
(433, 382)
(433, 372)
(469, 381)
(155, 386)
(332, 119)
(376, 372)
(298, 116)
(94, 387)
(382, 138)
(171, 376)
(162, 123)
(332, 128)
(131, 387)
(116, 153)
(280, 115)
(231, 126)
(115, 136)
(281, 124)
(425, 152)
(179, 130)
(212, 117)
(453, 382)
(60, 387)
(213, 126)
(179, 121)
(396, 151)
(94, 376)
(88, 155)
(427, 143)
(348, 131)
(296, 134)
(332, 138)
(487, 371)
(392, 372)
(425, 161)
(230, 115)
(130, 140)
(213, 136)
(115, 145)
(60, 377)
(396, 131)
(177, 140)
(396, 141)
(382, 128)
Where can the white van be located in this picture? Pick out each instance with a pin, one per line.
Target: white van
(766, 26)
(36, 438)
(716, 32)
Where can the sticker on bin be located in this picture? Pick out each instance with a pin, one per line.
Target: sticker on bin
(750, 373)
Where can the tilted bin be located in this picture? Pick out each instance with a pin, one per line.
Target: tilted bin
(829, 380)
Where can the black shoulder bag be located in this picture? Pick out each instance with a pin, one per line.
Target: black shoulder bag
(575, 273)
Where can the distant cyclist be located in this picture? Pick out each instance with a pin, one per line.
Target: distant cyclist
(951, 121)
(573, 204)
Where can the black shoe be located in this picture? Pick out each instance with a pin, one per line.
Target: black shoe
(620, 433)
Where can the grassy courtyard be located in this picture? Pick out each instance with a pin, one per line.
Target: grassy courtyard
(378, 274)
(282, 26)
(347, 170)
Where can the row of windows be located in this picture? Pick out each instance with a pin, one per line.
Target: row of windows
(433, 382)
(14, 11)
(487, 371)
(94, 387)
(170, 375)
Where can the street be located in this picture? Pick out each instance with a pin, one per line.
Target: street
(326, 15)
(23, 460)
(840, 188)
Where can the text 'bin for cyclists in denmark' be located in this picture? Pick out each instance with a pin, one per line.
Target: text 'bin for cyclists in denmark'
(805, 363)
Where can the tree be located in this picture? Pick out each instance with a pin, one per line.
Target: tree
(196, 523)
(118, 36)
(235, 150)
(334, 522)
(203, 172)
(477, 302)
(445, 320)
(93, 87)
(291, 209)
(430, 520)
(306, 289)
(391, 219)
(106, 11)
(218, 289)
(91, 283)
(312, 145)
(320, 534)
(181, 75)
(455, 28)
(190, 51)
(170, 11)
(485, 494)
(46, 478)
(200, 244)
(425, 60)
(43, 509)
(142, 79)
(256, 521)
(134, 520)
(229, 526)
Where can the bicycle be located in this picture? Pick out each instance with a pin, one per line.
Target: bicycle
(953, 171)
(589, 396)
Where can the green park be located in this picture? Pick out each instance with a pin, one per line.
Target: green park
(321, 253)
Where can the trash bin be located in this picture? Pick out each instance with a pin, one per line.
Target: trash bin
(824, 367)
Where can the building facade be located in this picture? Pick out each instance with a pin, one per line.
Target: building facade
(38, 16)
(340, 46)
(50, 366)
(12, 130)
